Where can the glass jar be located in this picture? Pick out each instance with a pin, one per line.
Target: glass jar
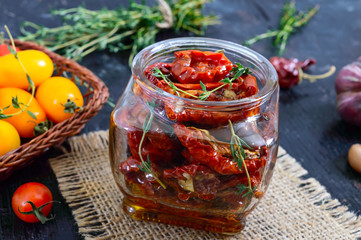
(200, 164)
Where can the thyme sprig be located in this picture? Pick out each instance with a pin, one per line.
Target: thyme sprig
(14, 101)
(239, 156)
(85, 31)
(146, 165)
(237, 71)
(291, 20)
(158, 73)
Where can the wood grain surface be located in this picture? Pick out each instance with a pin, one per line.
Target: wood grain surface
(310, 128)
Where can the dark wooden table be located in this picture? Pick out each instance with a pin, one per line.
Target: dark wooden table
(310, 128)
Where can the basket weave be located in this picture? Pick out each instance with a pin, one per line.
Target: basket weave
(95, 97)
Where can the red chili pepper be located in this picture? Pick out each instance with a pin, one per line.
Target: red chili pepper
(288, 70)
(193, 66)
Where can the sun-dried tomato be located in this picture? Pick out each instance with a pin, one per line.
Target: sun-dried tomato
(137, 179)
(235, 180)
(160, 146)
(207, 118)
(164, 67)
(193, 181)
(193, 66)
(288, 70)
(199, 150)
(244, 86)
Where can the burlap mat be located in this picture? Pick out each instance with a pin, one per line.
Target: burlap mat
(293, 207)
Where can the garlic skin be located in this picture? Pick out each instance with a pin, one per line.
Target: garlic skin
(354, 157)
(348, 88)
(348, 105)
(349, 78)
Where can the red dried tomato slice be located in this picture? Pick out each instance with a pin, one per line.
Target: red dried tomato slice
(164, 67)
(193, 66)
(203, 149)
(201, 118)
(193, 181)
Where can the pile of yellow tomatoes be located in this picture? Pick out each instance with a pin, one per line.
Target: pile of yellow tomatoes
(22, 110)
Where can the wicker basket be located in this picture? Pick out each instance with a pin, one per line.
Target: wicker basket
(95, 97)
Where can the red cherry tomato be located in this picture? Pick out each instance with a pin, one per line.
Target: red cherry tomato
(36, 193)
(4, 50)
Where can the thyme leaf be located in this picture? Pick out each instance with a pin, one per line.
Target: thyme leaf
(32, 115)
(242, 188)
(291, 20)
(15, 102)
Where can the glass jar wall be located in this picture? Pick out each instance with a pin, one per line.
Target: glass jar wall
(194, 163)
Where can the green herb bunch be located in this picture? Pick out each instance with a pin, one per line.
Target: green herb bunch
(85, 31)
(291, 20)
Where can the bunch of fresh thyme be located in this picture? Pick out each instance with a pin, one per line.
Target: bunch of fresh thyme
(237, 71)
(132, 28)
(290, 22)
(239, 156)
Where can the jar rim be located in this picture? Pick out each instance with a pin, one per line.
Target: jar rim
(139, 64)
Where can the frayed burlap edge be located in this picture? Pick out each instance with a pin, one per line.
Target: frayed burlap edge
(318, 194)
(93, 224)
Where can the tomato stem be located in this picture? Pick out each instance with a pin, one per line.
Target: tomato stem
(42, 127)
(71, 107)
(37, 211)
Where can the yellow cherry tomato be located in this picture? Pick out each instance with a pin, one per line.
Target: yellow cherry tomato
(23, 122)
(10, 137)
(38, 65)
(54, 93)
